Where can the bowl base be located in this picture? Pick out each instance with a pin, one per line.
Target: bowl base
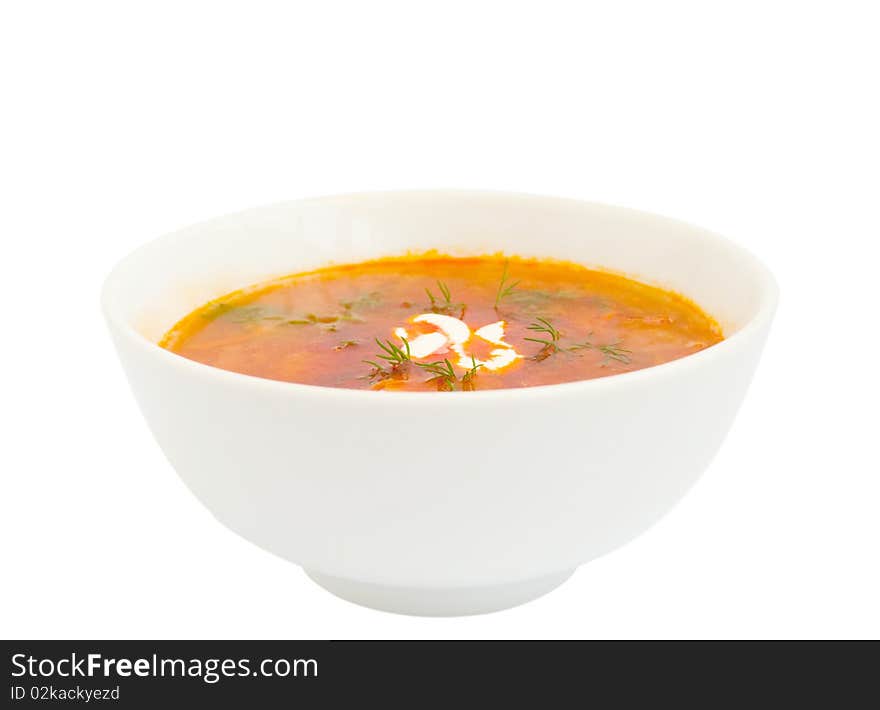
(439, 601)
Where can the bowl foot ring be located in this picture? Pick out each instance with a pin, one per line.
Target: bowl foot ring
(439, 601)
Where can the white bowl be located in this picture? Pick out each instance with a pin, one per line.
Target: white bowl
(552, 476)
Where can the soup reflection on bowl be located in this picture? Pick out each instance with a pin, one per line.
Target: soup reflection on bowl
(439, 403)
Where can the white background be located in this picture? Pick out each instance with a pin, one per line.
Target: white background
(125, 120)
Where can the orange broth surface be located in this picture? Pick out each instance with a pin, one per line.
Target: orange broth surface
(548, 322)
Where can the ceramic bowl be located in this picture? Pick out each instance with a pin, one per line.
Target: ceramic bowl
(552, 477)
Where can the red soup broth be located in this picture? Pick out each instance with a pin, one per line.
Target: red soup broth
(438, 324)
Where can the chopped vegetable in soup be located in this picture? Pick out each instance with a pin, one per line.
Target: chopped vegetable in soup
(437, 323)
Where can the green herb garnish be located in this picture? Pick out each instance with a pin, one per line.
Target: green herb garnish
(536, 300)
(394, 354)
(347, 315)
(542, 325)
(610, 352)
(396, 363)
(615, 352)
(504, 289)
(247, 314)
(368, 300)
(467, 380)
(312, 319)
(444, 303)
(585, 345)
(240, 314)
(443, 372)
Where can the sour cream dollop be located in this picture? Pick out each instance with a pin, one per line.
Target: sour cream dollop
(452, 334)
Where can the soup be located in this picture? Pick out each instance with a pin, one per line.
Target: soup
(438, 323)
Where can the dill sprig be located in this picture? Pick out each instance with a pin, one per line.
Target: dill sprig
(444, 292)
(585, 345)
(349, 313)
(467, 380)
(504, 289)
(394, 354)
(396, 363)
(312, 319)
(378, 370)
(542, 325)
(443, 373)
(367, 300)
(250, 314)
(444, 289)
(551, 346)
(444, 303)
(615, 352)
(612, 351)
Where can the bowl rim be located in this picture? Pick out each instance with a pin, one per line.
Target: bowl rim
(767, 287)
